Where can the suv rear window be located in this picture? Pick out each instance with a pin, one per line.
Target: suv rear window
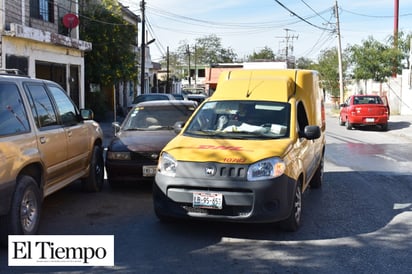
(13, 117)
(41, 105)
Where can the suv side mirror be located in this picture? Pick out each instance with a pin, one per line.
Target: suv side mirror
(87, 114)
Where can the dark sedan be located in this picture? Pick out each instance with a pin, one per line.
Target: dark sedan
(133, 154)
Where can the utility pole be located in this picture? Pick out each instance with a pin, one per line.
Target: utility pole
(395, 35)
(288, 43)
(143, 49)
(188, 54)
(167, 71)
(339, 53)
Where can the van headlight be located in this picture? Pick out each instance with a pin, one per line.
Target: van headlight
(167, 165)
(266, 169)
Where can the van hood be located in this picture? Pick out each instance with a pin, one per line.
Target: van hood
(191, 149)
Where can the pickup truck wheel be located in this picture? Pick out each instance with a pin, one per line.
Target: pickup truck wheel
(341, 123)
(384, 127)
(94, 182)
(317, 179)
(292, 223)
(24, 214)
(348, 125)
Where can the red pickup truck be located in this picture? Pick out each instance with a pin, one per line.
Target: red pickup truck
(365, 110)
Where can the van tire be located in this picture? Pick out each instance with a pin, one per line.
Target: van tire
(94, 182)
(292, 223)
(317, 179)
(24, 215)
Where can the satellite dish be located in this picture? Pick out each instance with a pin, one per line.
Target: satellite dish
(70, 21)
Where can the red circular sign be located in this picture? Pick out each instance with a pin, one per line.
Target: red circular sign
(70, 21)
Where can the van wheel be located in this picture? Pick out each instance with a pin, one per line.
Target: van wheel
(24, 214)
(94, 182)
(292, 223)
(317, 179)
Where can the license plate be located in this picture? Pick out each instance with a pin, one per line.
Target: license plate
(370, 120)
(149, 171)
(207, 200)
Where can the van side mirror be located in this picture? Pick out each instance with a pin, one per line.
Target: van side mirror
(311, 132)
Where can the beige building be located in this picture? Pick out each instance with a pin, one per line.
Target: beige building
(33, 39)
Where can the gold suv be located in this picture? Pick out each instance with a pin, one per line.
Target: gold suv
(46, 143)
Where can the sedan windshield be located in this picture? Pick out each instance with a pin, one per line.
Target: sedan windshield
(156, 117)
(241, 119)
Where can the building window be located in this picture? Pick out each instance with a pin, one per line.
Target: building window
(42, 9)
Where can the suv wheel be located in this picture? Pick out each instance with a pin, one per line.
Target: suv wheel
(94, 182)
(24, 215)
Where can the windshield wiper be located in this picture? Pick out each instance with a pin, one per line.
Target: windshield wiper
(134, 129)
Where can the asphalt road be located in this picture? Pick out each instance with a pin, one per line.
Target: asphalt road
(359, 222)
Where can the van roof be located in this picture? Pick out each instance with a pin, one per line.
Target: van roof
(265, 84)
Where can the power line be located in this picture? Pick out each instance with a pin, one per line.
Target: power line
(301, 18)
(315, 11)
(374, 16)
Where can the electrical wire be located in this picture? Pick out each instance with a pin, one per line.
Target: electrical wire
(374, 16)
(315, 11)
(301, 18)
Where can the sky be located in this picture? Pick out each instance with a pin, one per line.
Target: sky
(245, 26)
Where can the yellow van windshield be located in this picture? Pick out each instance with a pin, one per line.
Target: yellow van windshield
(241, 119)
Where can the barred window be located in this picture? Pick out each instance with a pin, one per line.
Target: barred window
(42, 9)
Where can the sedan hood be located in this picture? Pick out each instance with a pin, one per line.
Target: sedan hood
(139, 141)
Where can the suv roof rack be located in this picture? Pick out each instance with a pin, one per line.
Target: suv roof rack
(16, 72)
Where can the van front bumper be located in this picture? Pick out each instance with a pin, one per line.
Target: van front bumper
(262, 201)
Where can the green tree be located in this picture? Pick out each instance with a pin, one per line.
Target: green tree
(404, 46)
(112, 58)
(328, 68)
(206, 50)
(265, 53)
(373, 60)
(305, 63)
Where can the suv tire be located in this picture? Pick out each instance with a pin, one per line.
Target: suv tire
(24, 215)
(94, 182)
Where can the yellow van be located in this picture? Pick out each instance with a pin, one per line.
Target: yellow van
(249, 151)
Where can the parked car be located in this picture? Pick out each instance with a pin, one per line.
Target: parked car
(46, 142)
(365, 110)
(150, 97)
(179, 96)
(133, 154)
(198, 97)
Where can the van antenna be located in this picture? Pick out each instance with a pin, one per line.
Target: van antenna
(249, 91)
